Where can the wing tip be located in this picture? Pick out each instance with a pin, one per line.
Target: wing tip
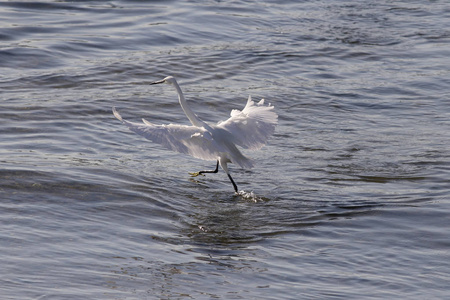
(147, 122)
(116, 114)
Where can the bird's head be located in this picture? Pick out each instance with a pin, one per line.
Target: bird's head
(168, 80)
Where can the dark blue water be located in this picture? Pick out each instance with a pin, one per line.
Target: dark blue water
(349, 200)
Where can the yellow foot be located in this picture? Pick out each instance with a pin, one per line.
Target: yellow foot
(195, 174)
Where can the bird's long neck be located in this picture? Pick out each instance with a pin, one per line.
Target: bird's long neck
(187, 110)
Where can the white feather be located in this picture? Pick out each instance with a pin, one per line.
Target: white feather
(249, 128)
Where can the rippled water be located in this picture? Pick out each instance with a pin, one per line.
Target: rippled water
(349, 199)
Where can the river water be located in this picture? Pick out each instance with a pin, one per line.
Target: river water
(350, 199)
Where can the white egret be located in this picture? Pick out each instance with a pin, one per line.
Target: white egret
(249, 129)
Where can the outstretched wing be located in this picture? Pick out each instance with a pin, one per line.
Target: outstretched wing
(192, 140)
(251, 127)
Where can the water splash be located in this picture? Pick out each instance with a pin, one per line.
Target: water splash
(249, 196)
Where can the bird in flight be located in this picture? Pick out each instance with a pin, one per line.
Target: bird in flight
(249, 129)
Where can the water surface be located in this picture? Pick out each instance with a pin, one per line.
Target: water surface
(348, 200)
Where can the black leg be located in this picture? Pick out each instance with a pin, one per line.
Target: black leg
(211, 171)
(234, 184)
(215, 171)
(195, 174)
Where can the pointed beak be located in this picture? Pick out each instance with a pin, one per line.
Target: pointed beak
(158, 82)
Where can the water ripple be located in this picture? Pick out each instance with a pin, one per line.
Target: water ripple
(348, 198)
